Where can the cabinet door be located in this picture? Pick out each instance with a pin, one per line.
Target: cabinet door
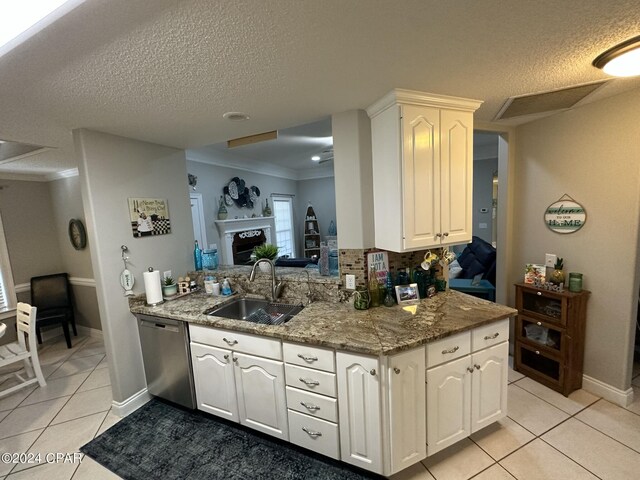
(359, 407)
(213, 378)
(448, 404)
(489, 385)
(261, 394)
(456, 176)
(421, 176)
(408, 437)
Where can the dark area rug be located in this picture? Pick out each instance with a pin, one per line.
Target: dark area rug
(163, 441)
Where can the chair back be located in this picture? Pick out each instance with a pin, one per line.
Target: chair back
(51, 291)
(26, 324)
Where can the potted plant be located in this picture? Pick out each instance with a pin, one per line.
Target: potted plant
(557, 277)
(266, 250)
(169, 287)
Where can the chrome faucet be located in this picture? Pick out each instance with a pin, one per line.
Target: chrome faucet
(276, 288)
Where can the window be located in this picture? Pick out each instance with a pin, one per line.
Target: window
(7, 291)
(283, 211)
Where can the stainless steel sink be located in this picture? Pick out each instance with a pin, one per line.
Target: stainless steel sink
(255, 311)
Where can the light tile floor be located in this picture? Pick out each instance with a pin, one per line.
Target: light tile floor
(545, 436)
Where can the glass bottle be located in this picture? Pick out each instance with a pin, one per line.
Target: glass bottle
(374, 288)
(197, 257)
(389, 298)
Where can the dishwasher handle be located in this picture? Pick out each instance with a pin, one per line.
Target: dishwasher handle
(160, 326)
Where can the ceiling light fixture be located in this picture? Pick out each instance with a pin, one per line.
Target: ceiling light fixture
(236, 116)
(622, 60)
(316, 158)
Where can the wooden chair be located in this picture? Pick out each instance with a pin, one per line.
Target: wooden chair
(51, 295)
(18, 351)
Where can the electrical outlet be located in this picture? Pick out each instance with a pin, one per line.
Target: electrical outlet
(350, 282)
(167, 274)
(550, 259)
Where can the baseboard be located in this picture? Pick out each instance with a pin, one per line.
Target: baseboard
(131, 404)
(89, 332)
(623, 398)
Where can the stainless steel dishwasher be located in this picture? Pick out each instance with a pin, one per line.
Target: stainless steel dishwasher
(167, 361)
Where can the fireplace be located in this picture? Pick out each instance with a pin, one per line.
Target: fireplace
(239, 236)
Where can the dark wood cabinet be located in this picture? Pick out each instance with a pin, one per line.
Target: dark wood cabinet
(549, 340)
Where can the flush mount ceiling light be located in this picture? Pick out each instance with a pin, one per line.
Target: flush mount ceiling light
(623, 60)
(236, 116)
(316, 158)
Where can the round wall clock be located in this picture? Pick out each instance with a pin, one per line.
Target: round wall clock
(77, 234)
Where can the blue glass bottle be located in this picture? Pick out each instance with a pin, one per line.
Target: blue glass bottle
(197, 257)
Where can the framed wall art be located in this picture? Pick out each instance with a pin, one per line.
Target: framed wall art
(149, 216)
(565, 215)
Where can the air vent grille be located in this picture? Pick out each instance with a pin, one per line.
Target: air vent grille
(545, 101)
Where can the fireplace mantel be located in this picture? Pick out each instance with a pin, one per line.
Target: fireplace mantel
(228, 228)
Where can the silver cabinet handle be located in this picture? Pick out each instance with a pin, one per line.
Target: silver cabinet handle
(230, 342)
(397, 370)
(445, 234)
(307, 358)
(226, 357)
(372, 371)
(235, 359)
(438, 235)
(491, 337)
(539, 294)
(310, 407)
(451, 350)
(311, 433)
(470, 369)
(308, 382)
(477, 366)
(537, 352)
(539, 324)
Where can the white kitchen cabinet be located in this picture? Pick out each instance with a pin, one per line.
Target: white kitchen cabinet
(360, 410)
(467, 393)
(214, 381)
(238, 386)
(422, 156)
(262, 401)
(408, 433)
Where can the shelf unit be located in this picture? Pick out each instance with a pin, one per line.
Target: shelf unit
(549, 340)
(311, 234)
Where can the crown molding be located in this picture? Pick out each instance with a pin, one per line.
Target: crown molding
(71, 172)
(413, 97)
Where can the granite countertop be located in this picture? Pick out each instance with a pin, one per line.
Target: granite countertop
(377, 331)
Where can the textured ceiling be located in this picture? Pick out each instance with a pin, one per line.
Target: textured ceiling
(165, 71)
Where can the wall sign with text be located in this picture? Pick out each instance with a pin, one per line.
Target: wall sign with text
(565, 215)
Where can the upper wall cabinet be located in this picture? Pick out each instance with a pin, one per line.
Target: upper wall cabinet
(422, 170)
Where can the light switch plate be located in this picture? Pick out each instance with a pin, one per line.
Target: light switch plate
(350, 282)
(550, 259)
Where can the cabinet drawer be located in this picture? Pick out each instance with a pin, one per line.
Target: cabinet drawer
(488, 335)
(549, 307)
(312, 404)
(448, 348)
(238, 342)
(315, 434)
(313, 357)
(311, 380)
(539, 366)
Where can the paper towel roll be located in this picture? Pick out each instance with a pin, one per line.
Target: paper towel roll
(152, 287)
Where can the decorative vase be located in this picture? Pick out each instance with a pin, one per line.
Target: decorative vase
(267, 210)
(170, 290)
(557, 277)
(222, 210)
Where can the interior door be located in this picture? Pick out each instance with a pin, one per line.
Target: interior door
(197, 216)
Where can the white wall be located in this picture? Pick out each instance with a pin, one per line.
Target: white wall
(113, 169)
(483, 171)
(591, 153)
(321, 192)
(353, 179)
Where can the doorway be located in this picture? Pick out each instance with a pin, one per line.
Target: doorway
(197, 216)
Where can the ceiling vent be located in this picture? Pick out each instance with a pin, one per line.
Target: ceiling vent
(546, 101)
(12, 151)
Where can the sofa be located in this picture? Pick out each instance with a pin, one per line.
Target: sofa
(477, 257)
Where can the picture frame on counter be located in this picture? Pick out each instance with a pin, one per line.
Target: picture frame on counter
(407, 294)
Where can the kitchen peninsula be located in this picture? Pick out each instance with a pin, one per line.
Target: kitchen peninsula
(380, 388)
